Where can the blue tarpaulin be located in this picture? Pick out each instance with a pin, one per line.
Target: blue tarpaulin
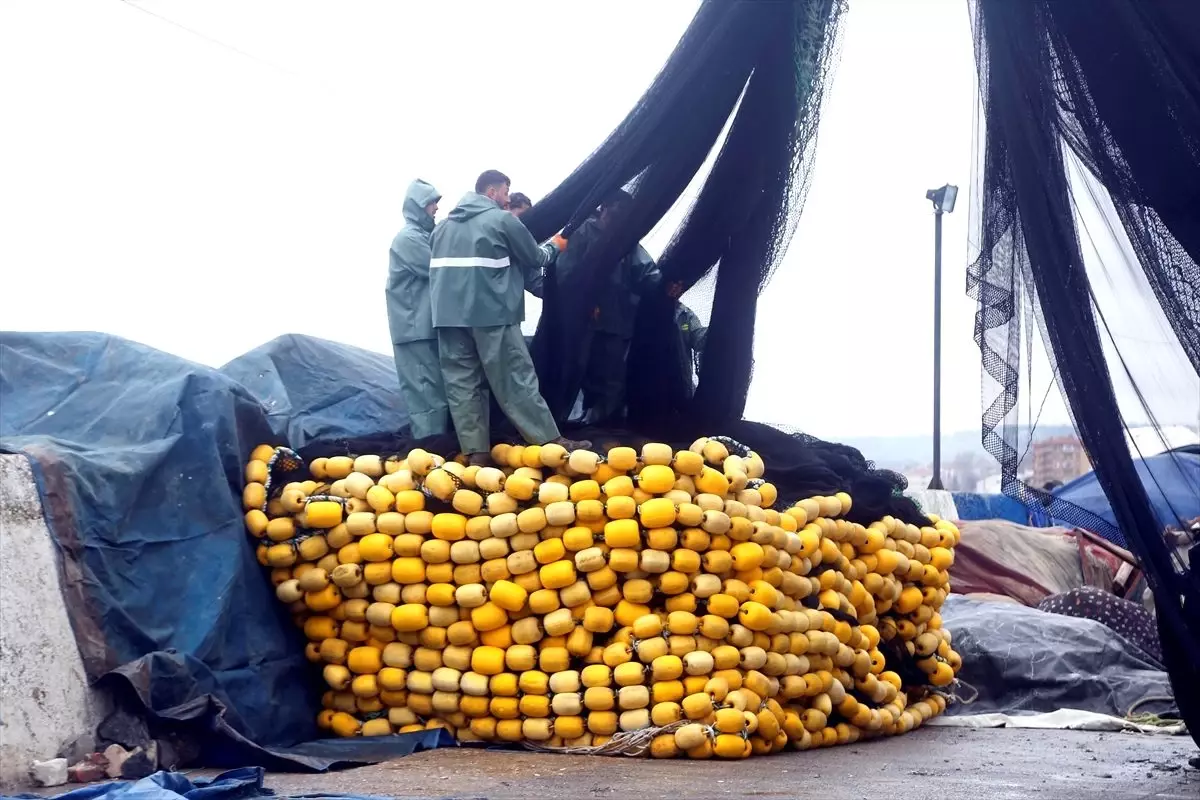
(138, 456)
(316, 391)
(237, 784)
(990, 506)
(1171, 480)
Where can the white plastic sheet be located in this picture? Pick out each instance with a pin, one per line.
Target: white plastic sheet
(1065, 719)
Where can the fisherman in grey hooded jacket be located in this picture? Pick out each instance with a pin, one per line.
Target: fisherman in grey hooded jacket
(483, 260)
(414, 342)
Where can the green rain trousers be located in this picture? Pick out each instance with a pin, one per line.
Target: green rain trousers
(604, 377)
(474, 360)
(420, 373)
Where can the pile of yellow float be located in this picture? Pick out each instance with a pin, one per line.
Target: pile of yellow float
(574, 600)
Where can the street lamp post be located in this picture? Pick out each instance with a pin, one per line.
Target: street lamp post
(943, 202)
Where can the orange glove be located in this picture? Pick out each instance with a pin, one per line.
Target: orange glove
(559, 242)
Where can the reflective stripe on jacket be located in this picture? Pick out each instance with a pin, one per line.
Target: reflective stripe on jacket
(482, 260)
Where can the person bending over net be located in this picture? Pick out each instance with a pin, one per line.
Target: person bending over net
(483, 259)
(605, 344)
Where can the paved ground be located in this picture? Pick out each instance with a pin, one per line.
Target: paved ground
(932, 762)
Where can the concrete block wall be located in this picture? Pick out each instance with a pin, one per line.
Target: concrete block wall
(44, 696)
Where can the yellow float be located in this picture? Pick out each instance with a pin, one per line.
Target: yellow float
(568, 600)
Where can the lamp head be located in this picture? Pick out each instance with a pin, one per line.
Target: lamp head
(943, 198)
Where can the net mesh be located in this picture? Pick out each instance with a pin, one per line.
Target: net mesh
(734, 114)
(1089, 212)
(743, 91)
(734, 111)
(801, 466)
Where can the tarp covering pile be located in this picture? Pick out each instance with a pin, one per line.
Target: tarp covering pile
(138, 457)
(1171, 481)
(1021, 660)
(1027, 564)
(320, 391)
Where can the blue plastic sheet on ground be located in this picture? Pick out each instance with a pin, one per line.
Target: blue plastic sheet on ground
(232, 785)
(236, 784)
(990, 506)
(138, 456)
(1171, 480)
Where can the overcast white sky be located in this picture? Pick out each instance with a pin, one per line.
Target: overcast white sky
(204, 195)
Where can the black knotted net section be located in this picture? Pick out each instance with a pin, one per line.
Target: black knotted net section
(735, 111)
(1092, 111)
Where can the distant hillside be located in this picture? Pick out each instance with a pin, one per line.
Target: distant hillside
(897, 452)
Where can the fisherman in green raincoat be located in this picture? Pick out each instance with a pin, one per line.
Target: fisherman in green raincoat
(483, 259)
(414, 342)
(604, 349)
(692, 334)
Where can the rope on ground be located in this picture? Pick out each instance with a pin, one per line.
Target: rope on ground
(1149, 718)
(953, 696)
(625, 743)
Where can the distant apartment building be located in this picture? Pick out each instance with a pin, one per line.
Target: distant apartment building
(1061, 458)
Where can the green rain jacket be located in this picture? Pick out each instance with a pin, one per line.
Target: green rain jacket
(694, 334)
(619, 290)
(483, 260)
(636, 275)
(408, 307)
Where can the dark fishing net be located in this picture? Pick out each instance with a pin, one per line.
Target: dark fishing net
(1092, 120)
(755, 72)
(799, 466)
(737, 107)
